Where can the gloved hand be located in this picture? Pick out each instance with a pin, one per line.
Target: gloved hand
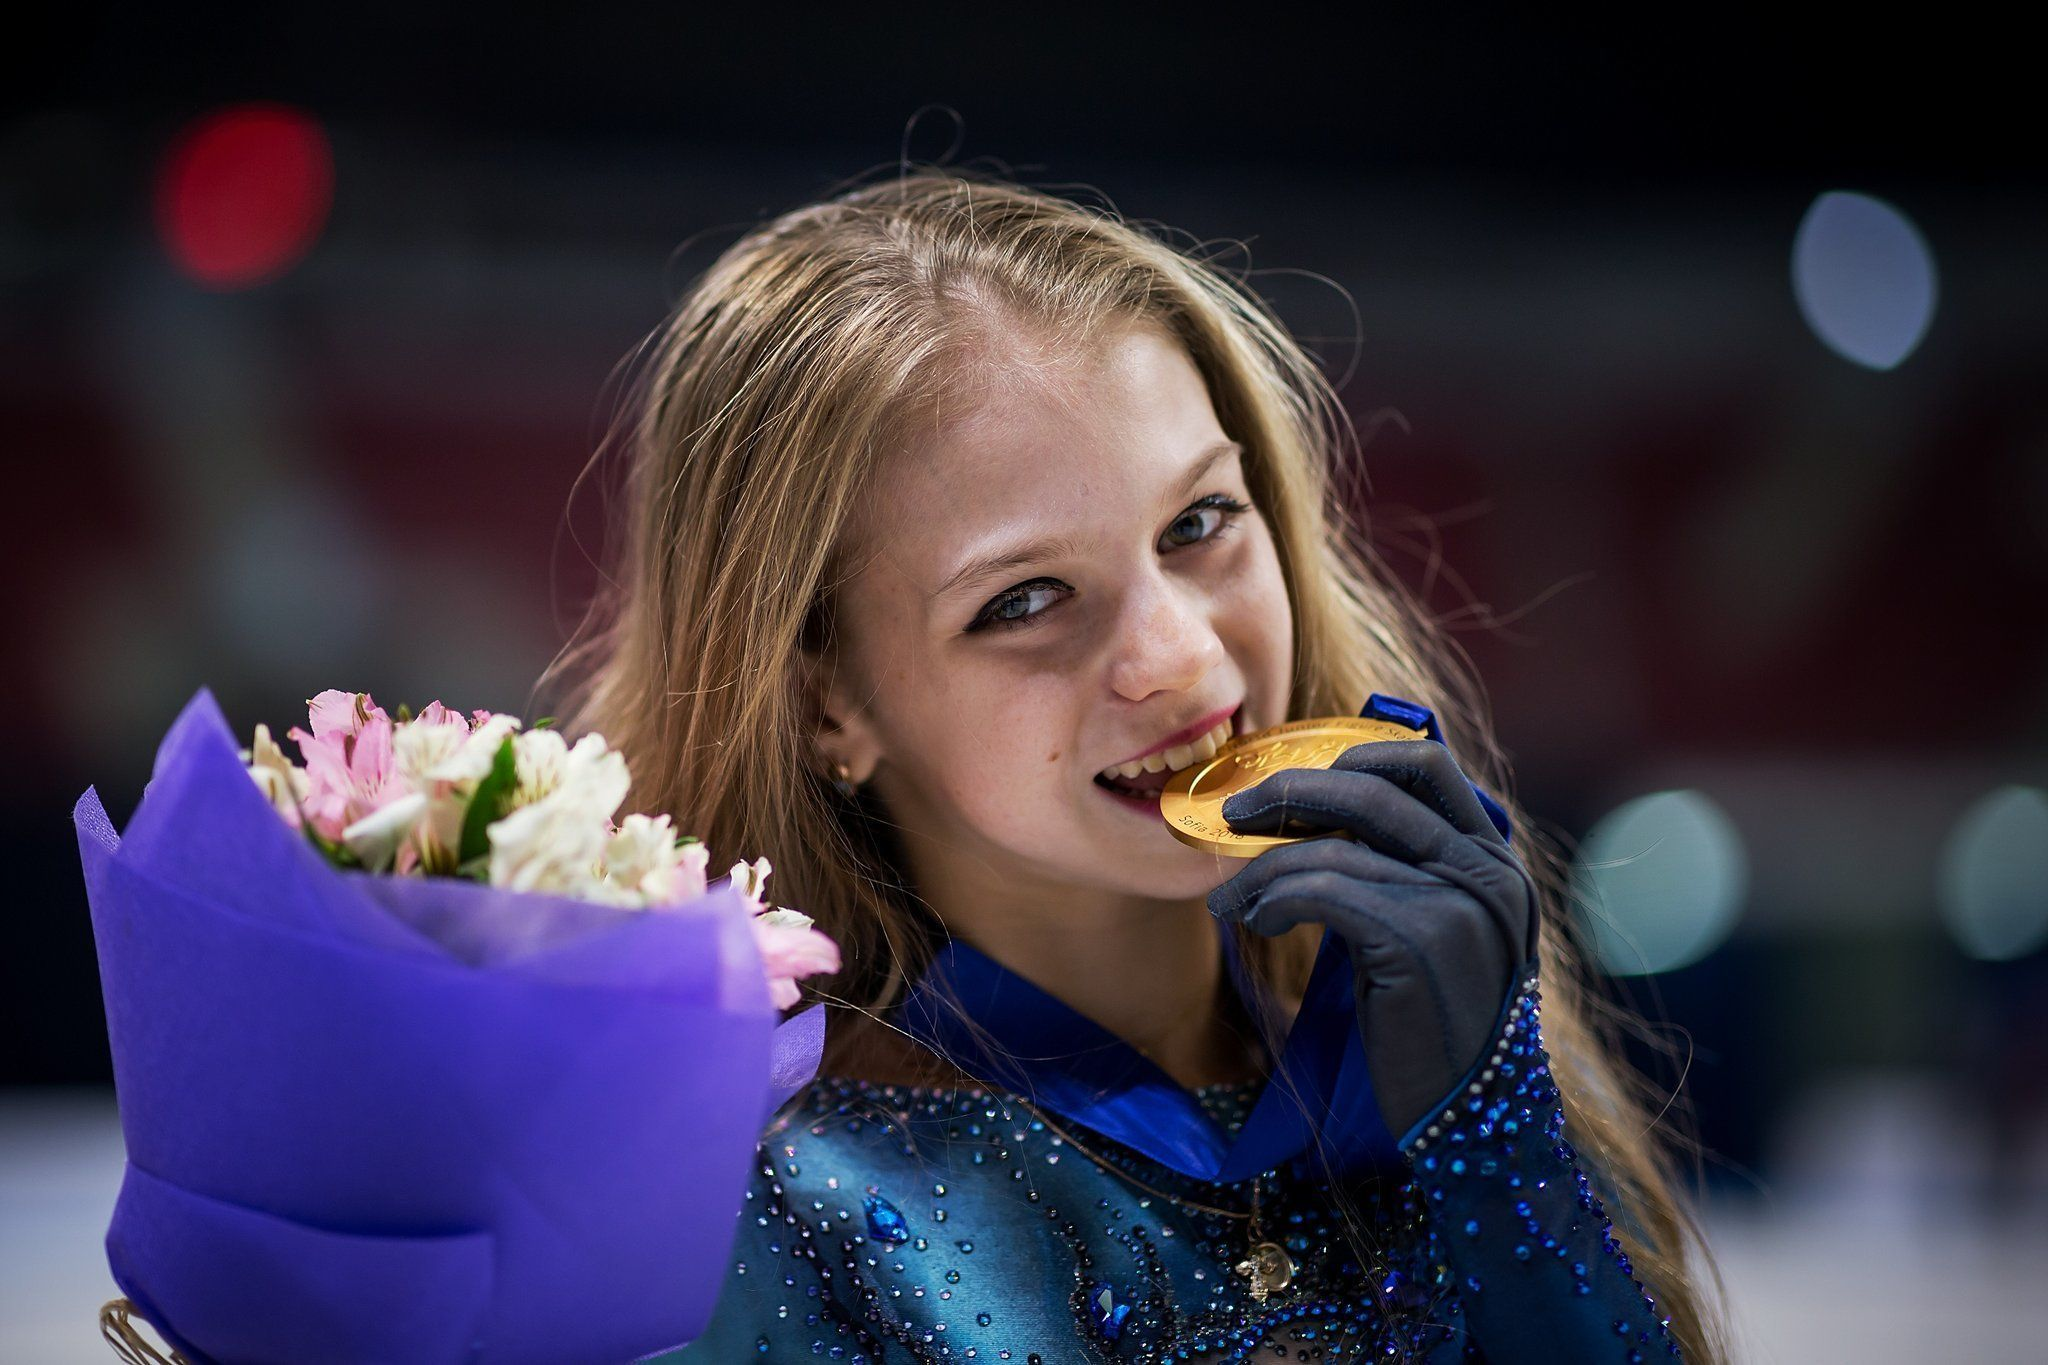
(1438, 914)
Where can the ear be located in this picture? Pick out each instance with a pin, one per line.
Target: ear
(834, 715)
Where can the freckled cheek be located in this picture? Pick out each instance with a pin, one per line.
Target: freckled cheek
(1253, 601)
(999, 784)
(1256, 614)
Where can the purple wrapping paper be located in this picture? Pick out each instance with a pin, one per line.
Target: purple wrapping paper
(375, 1118)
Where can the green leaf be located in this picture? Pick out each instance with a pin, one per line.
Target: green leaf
(682, 839)
(543, 723)
(338, 854)
(492, 796)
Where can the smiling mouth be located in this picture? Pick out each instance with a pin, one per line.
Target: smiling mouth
(1143, 787)
(1141, 790)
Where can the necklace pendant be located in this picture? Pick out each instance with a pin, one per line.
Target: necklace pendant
(1269, 1268)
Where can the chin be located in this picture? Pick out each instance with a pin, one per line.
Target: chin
(1169, 871)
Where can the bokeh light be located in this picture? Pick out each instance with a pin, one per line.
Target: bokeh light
(1864, 278)
(243, 193)
(1993, 878)
(1661, 881)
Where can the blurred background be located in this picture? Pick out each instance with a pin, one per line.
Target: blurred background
(1704, 370)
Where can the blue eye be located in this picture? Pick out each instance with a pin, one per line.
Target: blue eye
(998, 614)
(1226, 508)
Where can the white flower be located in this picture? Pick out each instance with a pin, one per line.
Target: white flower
(375, 838)
(432, 742)
(594, 776)
(642, 858)
(540, 759)
(605, 891)
(283, 783)
(692, 862)
(747, 879)
(418, 749)
(553, 845)
(557, 844)
(471, 761)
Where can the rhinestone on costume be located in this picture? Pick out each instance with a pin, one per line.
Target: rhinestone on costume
(885, 1220)
(1109, 1315)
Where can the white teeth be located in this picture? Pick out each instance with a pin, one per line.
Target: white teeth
(1176, 758)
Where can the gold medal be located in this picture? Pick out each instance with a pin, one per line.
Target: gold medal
(1192, 803)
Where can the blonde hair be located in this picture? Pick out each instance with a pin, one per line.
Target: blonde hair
(815, 345)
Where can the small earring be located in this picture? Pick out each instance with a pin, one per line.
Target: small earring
(843, 782)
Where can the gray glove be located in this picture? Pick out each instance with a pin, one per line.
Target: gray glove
(1439, 916)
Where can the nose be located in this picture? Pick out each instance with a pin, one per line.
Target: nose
(1170, 643)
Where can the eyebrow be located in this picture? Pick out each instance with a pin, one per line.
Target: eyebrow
(986, 565)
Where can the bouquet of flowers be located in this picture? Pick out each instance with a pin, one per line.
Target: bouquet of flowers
(421, 1055)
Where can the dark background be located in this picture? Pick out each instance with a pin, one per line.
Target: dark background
(1689, 546)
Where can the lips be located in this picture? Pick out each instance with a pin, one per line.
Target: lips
(1148, 782)
(1187, 735)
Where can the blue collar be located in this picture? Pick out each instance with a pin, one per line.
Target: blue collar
(1067, 1063)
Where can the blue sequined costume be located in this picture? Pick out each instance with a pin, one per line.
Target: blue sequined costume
(908, 1224)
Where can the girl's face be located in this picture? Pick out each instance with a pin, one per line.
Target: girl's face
(1055, 582)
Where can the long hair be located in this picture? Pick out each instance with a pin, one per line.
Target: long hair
(812, 347)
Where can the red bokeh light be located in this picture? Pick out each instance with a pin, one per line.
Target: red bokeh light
(242, 193)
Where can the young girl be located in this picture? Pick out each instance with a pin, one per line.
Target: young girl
(952, 502)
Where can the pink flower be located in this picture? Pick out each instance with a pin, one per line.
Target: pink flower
(791, 948)
(348, 761)
(436, 714)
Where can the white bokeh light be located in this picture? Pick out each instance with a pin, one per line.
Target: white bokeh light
(1992, 887)
(1661, 880)
(1864, 278)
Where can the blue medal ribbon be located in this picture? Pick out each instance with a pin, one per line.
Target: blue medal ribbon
(1063, 1061)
